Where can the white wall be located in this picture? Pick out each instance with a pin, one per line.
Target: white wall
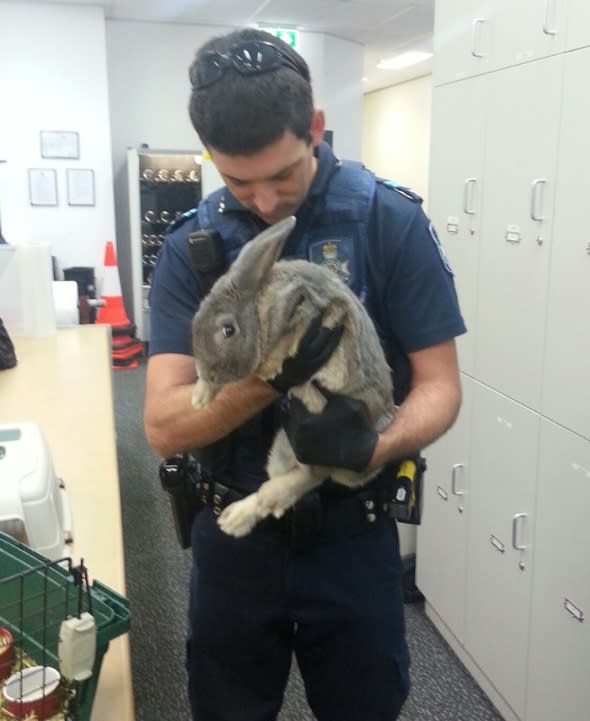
(53, 77)
(336, 68)
(149, 91)
(396, 133)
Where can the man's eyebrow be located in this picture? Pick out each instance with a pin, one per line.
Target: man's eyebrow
(286, 169)
(278, 174)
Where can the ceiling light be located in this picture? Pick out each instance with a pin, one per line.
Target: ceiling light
(404, 60)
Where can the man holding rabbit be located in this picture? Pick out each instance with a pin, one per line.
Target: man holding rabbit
(336, 600)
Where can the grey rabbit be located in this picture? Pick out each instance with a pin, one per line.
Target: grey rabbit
(250, 322)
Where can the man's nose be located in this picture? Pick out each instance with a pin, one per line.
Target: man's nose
(265, 198)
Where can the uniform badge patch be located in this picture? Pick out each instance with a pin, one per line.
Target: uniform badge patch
(441, 250)
(335, 255)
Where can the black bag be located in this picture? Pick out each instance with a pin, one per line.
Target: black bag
(7, 354)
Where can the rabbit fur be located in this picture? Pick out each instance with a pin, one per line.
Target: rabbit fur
(250, 322)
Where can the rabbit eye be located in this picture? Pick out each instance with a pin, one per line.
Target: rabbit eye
(228, 330)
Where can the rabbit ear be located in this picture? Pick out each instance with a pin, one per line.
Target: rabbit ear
(259, 255)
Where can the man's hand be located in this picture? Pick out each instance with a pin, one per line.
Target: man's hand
(314, 350)
(341, 436)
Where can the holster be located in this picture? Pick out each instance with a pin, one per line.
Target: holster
(178, 476)
(405, 491)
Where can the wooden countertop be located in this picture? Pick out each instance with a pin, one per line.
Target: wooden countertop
(63, 383)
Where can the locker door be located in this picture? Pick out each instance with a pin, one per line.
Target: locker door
(521, 149)
(558, 685)
(442, 536)
(456, 172)
(501, 526)
(462, 39)
(526, 30)
(566, 390)
(578, 24)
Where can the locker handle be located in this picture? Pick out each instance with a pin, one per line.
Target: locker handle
(515, 526)
(547, 28)
(454, 470)
(537, 184)
(469, 197)
(475, 36)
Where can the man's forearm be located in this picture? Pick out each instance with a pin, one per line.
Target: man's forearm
(427, 412)
(176, 426)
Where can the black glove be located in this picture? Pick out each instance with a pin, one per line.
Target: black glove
(314, 350)
(341, 436)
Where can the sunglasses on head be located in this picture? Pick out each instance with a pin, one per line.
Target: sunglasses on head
(248, 58)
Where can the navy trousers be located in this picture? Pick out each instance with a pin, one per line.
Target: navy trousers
(337, 605)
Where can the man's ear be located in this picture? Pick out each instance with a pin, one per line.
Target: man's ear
(318, 125)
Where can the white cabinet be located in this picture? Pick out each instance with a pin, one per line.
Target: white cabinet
(558, 685)
(521, 148)
(456, 173)
(566, 386)
(578, 24)
(501, 524)
(525, 30)
(442, 537)
(504, 567)
(474, 37)
(462, 39)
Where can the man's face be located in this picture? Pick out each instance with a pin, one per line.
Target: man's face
(273, 182)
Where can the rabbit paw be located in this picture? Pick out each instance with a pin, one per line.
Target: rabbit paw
(239, 518)
(274, 499)
(202, 395)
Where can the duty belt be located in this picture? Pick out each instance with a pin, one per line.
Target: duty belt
(314, 514)
(394, 494)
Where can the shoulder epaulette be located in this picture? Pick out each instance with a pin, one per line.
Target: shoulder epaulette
(401, 189)
(181, 219)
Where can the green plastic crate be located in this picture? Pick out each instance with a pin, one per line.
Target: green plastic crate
(36, 595)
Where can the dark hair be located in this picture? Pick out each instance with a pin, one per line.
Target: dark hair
(240, 115)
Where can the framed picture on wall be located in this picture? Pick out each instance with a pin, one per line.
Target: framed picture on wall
(60, 144)
(42, 187)
(80, 185)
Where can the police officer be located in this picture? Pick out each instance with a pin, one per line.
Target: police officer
(335, 601)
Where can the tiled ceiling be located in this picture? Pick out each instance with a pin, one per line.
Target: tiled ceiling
(383, 27)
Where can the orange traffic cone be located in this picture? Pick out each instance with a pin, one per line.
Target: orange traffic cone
(113, 311)
(125, 347)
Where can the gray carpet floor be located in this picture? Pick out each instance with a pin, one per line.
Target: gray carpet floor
(156, 576)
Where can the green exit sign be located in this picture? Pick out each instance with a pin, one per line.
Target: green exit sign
(287, 36)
